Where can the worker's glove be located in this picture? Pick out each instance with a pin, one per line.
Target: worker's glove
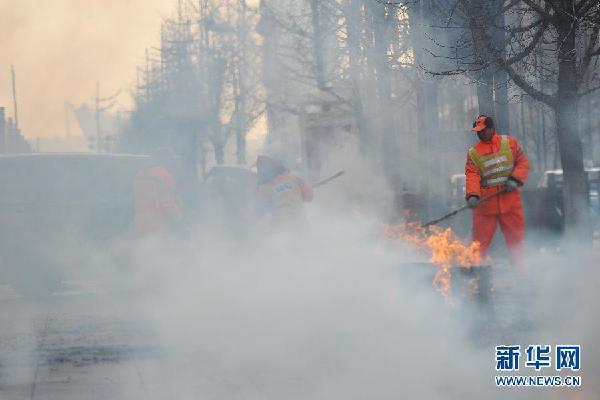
(511, 185)
(473, 201)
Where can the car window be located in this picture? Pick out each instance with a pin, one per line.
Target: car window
(230, 181)
(555, 179)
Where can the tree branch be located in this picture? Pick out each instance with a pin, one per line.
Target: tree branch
(589, 53)
(527, 87)
(529, 48)
(588, 91)
(494, 55)
(586, 6)
(538, 9)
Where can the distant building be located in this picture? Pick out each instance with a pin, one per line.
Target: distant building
(11, 139)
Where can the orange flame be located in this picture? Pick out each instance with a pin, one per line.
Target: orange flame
(446, 250)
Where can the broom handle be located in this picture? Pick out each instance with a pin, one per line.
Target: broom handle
(326, 181)
(450, 214)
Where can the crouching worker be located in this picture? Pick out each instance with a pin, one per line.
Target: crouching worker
(281, 194)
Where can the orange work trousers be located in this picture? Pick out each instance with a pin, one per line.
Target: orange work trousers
(512, 225)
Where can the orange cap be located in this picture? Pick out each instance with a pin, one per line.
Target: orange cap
(482, 122)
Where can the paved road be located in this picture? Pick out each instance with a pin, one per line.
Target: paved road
(80, 343)
(86, 342)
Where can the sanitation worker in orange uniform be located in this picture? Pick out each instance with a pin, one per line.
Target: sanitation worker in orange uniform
(496, 163)
(156, 208)
(281, 194)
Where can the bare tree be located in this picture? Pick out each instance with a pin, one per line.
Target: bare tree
(203, 87)
(568, 32)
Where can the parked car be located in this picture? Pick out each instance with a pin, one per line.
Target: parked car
(544, 203)
(227, 199)
(553, 180)
(53, 205)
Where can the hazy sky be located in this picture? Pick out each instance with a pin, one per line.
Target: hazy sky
(60, 48)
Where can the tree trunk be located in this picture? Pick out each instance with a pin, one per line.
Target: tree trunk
(241, 125)
(352, 13)
(521, 134)
(383, 84)
(501, 102)
(544, 141)
(383, 19)
(575, 190)
(424, 150)
(539, 53)
(219, 152)
(500, 79)
(540, 144)
(427, 115)
(315, 8)
(218, 143)
(438, 179)
(240, 136)
(485, 87)
(485, 93)
(595, 127)
(587, 128)
(189, 174)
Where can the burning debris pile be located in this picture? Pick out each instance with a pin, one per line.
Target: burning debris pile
(445, 249)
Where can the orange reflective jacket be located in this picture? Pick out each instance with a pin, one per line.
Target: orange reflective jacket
(495, 165)
(284, 190)
(156, 210)
(282, 198)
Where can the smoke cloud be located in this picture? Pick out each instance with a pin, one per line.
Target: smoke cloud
(61, 48)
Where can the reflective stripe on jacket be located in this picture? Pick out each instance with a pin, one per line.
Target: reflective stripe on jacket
(476, 185)
(494, 168)
(285, 190)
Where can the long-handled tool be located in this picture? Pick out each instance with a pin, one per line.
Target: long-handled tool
(326, 181)
(450, 214)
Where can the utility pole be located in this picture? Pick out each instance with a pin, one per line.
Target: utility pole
(98, 140)
(14, 95)
(109, 101)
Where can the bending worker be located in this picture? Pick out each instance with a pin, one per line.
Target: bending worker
(281, 194)
(496, 163)
(156, 208)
